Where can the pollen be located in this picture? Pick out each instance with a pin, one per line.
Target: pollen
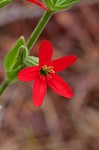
(46, 70)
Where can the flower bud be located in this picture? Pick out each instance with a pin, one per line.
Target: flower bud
(32, 61)
(22, 54)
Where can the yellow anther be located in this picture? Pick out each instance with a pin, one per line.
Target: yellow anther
(46, 70)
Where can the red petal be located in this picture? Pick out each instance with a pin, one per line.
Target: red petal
(63, 63)
(38, 3)
(59, 86)
(39, 91)
(45, 53)
(28, 74)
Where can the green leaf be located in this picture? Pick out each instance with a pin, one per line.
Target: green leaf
(65, 5)
(11, 63)
(11, 57)
(4, 2)
(12, 74)
(48, 3)
(66, 2)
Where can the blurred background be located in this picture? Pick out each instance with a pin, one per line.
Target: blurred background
(59, 124)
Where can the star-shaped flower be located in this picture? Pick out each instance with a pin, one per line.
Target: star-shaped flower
(45, 74)
(38, 3)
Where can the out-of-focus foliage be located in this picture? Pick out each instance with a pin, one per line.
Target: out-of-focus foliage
(4, 2)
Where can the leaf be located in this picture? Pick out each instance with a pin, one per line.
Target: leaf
(4, 2)
(48, 3)
(65, 5)
(11, 57)
(66, 2)
(12, 74)
(11, 64)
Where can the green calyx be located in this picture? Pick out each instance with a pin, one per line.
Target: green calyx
(56, 5)
(32, 61)
(24, 59)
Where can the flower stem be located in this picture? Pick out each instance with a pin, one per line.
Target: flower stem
(34, 36)
(31, 41)
(3, 86)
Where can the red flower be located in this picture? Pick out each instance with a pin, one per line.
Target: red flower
(45, 74)
(38, 3)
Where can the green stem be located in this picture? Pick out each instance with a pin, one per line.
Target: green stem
(3, 86)
(34, 36)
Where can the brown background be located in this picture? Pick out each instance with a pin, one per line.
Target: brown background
(60, 124)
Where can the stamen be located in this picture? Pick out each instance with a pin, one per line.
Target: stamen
(45, 70)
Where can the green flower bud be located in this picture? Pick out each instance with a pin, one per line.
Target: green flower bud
(56, 5)
(32, 61)
(22, 54)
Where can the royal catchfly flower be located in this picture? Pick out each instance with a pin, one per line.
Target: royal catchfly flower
(45, 74)
(38, 3)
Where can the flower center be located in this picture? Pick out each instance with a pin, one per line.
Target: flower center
(46, 70)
